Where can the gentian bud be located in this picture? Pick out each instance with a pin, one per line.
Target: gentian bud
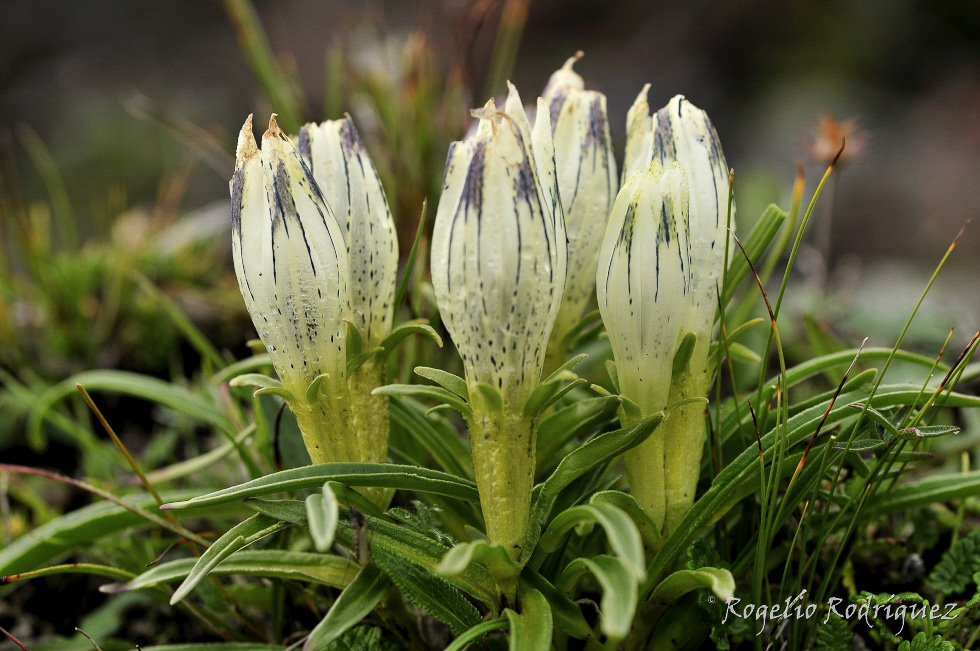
(291, 265)
(351, 186)
(680, 132)
(350, 183)
(642, 283)
(588, 184)
(498, 269)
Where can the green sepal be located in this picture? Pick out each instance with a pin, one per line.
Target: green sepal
(282, 392)
(613, 374)
(682, 358)
(357, 362)
(551, 389)
(406, 329)
(259, 380)
(491, 397)
(355, 340)
(445, 379)
(313, 391)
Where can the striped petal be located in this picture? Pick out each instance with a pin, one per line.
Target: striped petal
(586, 171)
(499, 251)
(290, 261)
(643, 280)
(352, 188)
(682, 132)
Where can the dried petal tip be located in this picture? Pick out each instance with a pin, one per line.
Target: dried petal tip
(246, 141)
(572, 59)
(487, 112)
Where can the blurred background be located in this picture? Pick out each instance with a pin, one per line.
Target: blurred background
(118, 123)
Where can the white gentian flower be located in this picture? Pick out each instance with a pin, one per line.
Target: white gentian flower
(682, 133)
(498, 269)
(643, 284)
(588, 184)
(499, 250)
(291, 265)
(351, 186)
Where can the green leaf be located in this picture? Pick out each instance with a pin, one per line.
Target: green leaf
(215, 646)
(322, 512)
(435, 435)
(923, 642)
(410, 263)
(619, 591)
(477, 632)
(926, 431)
(596, 451)
(272, 563)
(566, 613)
(742, 353)
(363, 638)
(241, 535)
(65, 533)
(292, 511)
(573, 421)
(933, 489)
(621, 532)
(756, 242)
(649, 532)
(383, 475)
(354, 604)
(864, 445)
(255, 380)
(678, 584)
(834, 634)
(407, 329)
(531, 629)
(877, 417)
(493, 556)
(953, 573)
(426, 590)
(425, 391)
(242, 367)
(148, 388)
(445, 379)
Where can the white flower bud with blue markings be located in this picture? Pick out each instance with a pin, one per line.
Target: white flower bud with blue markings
(291, 264)
(643, 283)
(498, 270)
(351, 187)
(588, 183)
(499, 249)
(682, 133)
